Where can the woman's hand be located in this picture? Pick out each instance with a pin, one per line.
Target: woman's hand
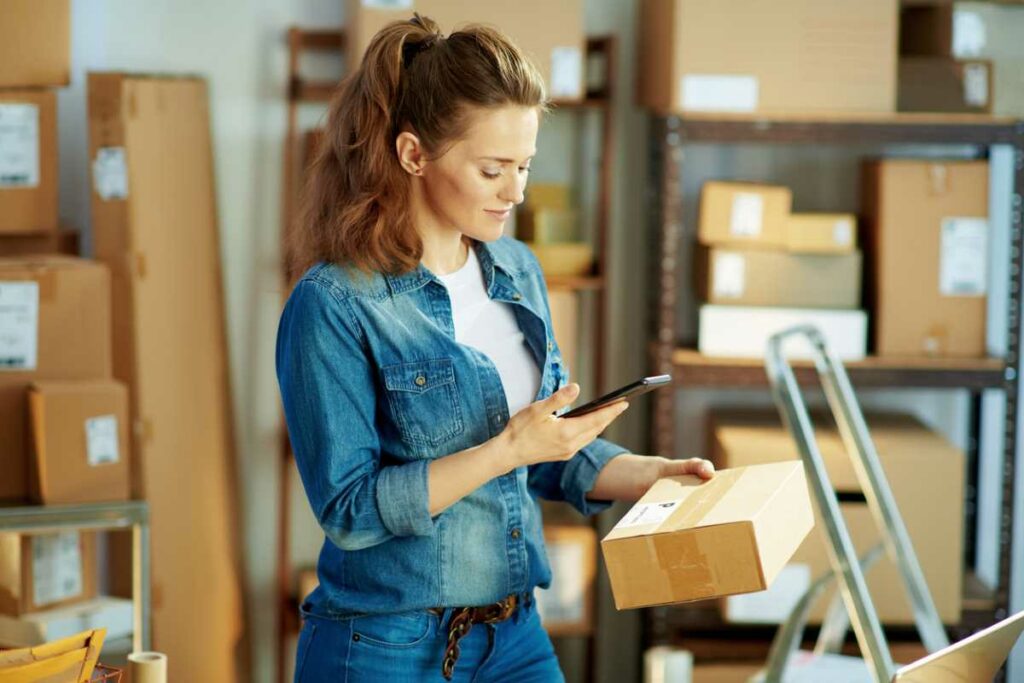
(627, 477)
(536, 435)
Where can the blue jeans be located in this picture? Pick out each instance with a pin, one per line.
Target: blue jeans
(409, 647)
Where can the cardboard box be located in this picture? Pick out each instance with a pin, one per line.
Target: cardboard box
(80, 441)
(28, 160)
(931, 507)
(154, 221)
(927, 238)
(555, 196)
(62, 242)
(564, 258)
(45, 302)
(35, 43)
(821, 233)
(941, 84)
(566, 606)
(548, 226)
(926, 29)
(550, 33)
(690, 540)
(744, 331)
(752, 277)
(565, 322)
(113, 614)
(744, 214)
(43, 571)
(824, 56)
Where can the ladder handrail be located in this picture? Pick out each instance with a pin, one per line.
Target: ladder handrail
(859, 446)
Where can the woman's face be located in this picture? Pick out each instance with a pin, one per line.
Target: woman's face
(474, 184)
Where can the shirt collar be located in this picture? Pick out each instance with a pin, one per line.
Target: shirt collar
(494, 255)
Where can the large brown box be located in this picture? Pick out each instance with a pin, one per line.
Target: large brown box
(60, 307)
(35, 43)
(790, 56)
(154, 221)
(65, 242)
(740, 214)
(43, 571)
(927, 239)
(550, 33)
(79, 442)
(28, 160)
(942, 84)
(931, 506)
(758, 277)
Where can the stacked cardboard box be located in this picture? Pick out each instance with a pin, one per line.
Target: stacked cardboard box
(931, 507)
(63, 433)
(787, 56)
(34, 59)
(934, 303)
(930, 78)
(761, 268)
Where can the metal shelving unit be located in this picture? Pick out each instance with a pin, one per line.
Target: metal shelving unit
(693, 370)
(303, 92)
(134, 515)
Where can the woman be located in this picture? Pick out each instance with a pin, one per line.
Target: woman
(420, 376)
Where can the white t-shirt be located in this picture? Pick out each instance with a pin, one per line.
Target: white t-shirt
(490, 327)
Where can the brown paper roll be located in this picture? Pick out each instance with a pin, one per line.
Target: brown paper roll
(147, 667)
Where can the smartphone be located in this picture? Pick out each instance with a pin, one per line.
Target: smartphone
(635, 389)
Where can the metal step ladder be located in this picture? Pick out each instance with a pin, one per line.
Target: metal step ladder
(853, 605)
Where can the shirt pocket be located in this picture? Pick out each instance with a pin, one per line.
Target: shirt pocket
(424, 400)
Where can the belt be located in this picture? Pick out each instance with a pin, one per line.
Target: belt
(463, 619)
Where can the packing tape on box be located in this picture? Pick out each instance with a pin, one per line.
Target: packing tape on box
(684, 566)
(148, 667)
(702, 500)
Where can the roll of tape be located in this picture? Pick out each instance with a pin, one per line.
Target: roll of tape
(148, 667)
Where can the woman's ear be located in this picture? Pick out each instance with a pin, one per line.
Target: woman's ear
(410, 153)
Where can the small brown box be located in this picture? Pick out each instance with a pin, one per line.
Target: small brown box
(744, 214)
(42, 571)
(80, 442)
(927, 239)
(942, 84)
(28, 161)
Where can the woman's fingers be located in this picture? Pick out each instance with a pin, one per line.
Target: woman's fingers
(695, 466)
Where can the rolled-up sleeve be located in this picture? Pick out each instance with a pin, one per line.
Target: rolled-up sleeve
(328, 390)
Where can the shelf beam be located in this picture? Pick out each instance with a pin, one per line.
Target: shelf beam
(693, 369)
(945, 129)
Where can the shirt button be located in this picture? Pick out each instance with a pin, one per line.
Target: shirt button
(551, 346)
(421, 380)
(516, 533)
(517, 296)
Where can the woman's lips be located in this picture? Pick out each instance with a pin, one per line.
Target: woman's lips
(500, 215)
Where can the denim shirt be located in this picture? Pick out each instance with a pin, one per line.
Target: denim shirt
(374, 387)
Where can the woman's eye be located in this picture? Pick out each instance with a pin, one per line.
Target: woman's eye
(524, 169)
(491, 174)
